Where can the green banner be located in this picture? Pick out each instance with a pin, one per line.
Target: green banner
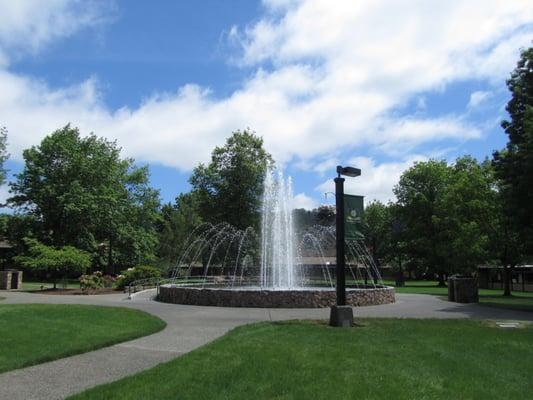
(353, 212)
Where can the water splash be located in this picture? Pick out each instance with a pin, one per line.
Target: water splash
(278, 269)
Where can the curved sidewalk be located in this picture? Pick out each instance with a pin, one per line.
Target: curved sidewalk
(188, 327)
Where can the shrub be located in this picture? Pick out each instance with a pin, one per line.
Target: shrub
(92, 281)
(53, 263)
(109, 281)
(137, 273)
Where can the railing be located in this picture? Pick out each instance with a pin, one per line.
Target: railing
(144, 284)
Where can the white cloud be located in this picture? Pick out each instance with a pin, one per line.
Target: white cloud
(301, 200)
(477, 98)
(28, 25)
(338, 73)
(376, 180)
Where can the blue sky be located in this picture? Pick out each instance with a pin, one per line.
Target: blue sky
(378, 84)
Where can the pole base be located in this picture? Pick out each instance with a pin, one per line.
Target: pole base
(341, 316)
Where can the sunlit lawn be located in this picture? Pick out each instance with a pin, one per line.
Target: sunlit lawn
(71, 284)
(35, 333)
(489, 297)
(383, 359)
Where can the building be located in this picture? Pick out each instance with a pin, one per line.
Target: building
(491, 277)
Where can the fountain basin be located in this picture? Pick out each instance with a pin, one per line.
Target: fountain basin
(312, 297)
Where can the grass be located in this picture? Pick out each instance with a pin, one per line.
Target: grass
(383, 359)
(71, 284)
(35, 333)
(522, 301)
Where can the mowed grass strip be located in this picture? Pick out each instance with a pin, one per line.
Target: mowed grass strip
(35, 333)
(522, 301)
(383, 359)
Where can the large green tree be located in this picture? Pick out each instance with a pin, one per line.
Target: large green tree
(420, 192)
(85, 195)
(506, 247)
(514, 164)
(445, 211)
(466, 211)
(229, 188)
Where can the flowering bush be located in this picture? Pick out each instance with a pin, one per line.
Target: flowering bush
(109, 281)
(137, 273)
(92, 281)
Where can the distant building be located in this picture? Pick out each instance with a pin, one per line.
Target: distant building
(491, 277)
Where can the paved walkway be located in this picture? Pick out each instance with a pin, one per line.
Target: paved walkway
(188, 327)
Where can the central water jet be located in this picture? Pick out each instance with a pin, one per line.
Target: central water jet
(278, 266)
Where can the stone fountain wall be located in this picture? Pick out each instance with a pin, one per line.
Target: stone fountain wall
(272, 298)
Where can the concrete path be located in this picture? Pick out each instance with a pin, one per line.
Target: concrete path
(188, 327)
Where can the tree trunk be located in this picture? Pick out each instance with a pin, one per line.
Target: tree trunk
(507, 272)
(54, 284)
(110, 257)
(400, 280)
(442, 282)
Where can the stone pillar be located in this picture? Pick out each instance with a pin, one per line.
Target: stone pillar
(16, 279)
(5, 280)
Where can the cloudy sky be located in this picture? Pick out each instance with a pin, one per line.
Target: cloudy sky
(374, 84)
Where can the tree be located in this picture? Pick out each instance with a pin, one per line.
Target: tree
(377, 230)
(303, 219)
(53, 263)
(4, 155)
(446, 213)
(420, 192)
(178, 221)
(325, 215)
(506, 247)
(14, 229)
(466, 212)
(514, 164)
(85, 195)
(229, 189)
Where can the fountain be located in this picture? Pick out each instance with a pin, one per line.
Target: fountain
(279, 267)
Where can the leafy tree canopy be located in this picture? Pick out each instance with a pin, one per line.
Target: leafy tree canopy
(86, 195)
(514, 164)
(230, 187)
(53, 263)
(178, 222)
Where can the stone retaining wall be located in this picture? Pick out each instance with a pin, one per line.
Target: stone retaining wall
(272, 298)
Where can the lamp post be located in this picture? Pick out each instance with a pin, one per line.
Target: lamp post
(341, 314)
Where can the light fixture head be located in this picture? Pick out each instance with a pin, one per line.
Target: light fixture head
(348, 171)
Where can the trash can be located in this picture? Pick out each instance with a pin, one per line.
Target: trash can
(465, 289)
(451, 294)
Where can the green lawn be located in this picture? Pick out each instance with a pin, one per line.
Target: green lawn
(382, 359)
(488, 297)
(71, 284)
(35, 333)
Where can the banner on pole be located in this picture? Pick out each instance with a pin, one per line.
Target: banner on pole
(353, 212)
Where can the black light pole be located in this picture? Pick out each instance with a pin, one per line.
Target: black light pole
(339, 234)
(341, 314)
